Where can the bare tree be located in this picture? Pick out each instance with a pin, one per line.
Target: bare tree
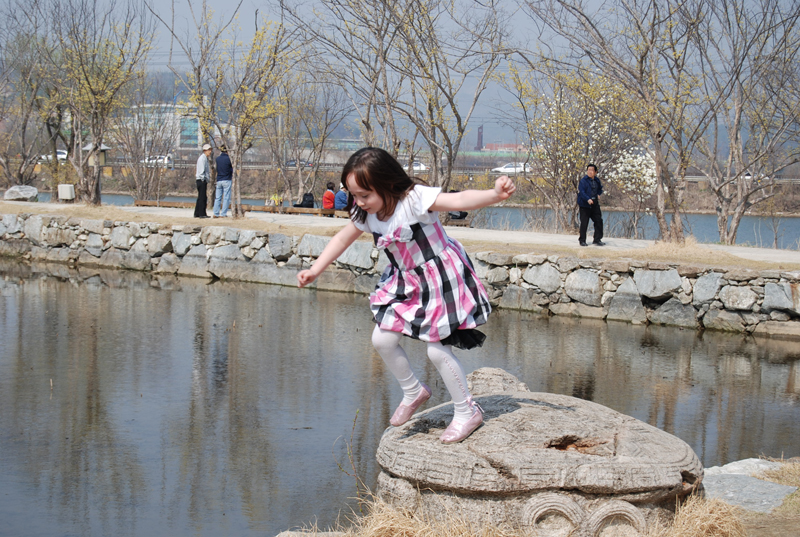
(23, 136)
(103, 46)
(753, 49)
(312, 107)
(356, 38)
(444, 45)
(649, 48)
(147, 127)
(568, 125)
(231, 83)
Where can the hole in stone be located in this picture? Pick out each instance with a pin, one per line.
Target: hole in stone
(582, 445)
(688, 478)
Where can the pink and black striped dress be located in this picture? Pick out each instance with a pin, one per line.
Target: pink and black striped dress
(430, 290)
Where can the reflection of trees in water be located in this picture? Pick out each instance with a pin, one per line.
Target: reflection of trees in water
(69, 444)
(724, 394)
(265, 377)
(247, 417)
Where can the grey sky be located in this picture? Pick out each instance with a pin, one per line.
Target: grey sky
(486, 113)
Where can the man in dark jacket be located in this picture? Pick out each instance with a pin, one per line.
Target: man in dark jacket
(340, 201)
(589, 189)
(224, 180)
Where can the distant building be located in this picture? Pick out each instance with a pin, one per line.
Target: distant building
(480, 139)
(505, 148)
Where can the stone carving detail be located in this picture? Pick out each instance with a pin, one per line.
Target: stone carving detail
(541, 462)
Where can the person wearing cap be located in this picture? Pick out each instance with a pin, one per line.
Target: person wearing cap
(202, 175)
(224, 180)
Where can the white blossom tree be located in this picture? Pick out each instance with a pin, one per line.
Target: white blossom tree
(634, 175)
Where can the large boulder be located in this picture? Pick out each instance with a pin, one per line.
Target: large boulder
(539, 461)
(546, 277)
(21, 193)
(584, 286)
(626, 305)
(737, 298)
(782, 297)
(674, 313)
(706, 288)
(657, 284)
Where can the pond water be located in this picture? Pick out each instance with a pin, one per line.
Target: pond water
(182, 407)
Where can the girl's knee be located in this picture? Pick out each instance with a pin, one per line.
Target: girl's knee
(437, 353)
(383, 340)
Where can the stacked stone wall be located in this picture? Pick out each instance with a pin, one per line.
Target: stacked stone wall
(763, 302)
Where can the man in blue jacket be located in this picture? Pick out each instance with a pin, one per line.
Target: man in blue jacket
(589, 189)
(224, 180)
(340, 201)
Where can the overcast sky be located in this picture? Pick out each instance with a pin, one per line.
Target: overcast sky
(486, 113)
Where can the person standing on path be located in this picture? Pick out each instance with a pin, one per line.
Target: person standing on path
(589, 190)
(224, 181)
(202, 176)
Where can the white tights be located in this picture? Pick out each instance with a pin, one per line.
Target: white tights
(387, 344)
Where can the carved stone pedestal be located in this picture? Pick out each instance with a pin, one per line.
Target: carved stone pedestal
(543, 463)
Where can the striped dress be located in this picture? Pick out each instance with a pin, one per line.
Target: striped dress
(430, 290)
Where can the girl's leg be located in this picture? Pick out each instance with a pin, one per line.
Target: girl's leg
(454, 378)
(387, 343)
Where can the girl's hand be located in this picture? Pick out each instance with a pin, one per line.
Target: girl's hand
(304, 277)
(504, 187)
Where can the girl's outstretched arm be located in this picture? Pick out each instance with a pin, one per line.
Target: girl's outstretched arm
(475, 199)
(335, 248)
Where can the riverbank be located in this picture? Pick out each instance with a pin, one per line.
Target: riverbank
(474, 240)
(732, 289)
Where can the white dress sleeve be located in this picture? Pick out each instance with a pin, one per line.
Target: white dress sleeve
(421, 198)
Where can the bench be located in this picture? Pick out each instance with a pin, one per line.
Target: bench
(458, 222)
(245, 207)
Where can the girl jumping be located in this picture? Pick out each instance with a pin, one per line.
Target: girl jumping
(430, 290)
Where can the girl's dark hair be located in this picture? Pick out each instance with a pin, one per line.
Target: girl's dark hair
(375, 169)
(330, 186)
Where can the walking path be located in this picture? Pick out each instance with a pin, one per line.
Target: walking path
(316, 224)
(485, 235)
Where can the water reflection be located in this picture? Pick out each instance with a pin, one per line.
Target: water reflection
(183, 407)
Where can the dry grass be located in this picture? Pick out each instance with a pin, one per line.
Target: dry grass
(700, 517)
(690, 253)
(697, 517)
(787, 474)
(384, 520)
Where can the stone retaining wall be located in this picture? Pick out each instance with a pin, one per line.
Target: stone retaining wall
(760, 302)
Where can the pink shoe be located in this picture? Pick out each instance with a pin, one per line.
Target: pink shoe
(404, 412)
(456, 432)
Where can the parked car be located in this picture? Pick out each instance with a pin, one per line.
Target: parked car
(303, 164)
(417, 167)
(513, 168)
(61, 155)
